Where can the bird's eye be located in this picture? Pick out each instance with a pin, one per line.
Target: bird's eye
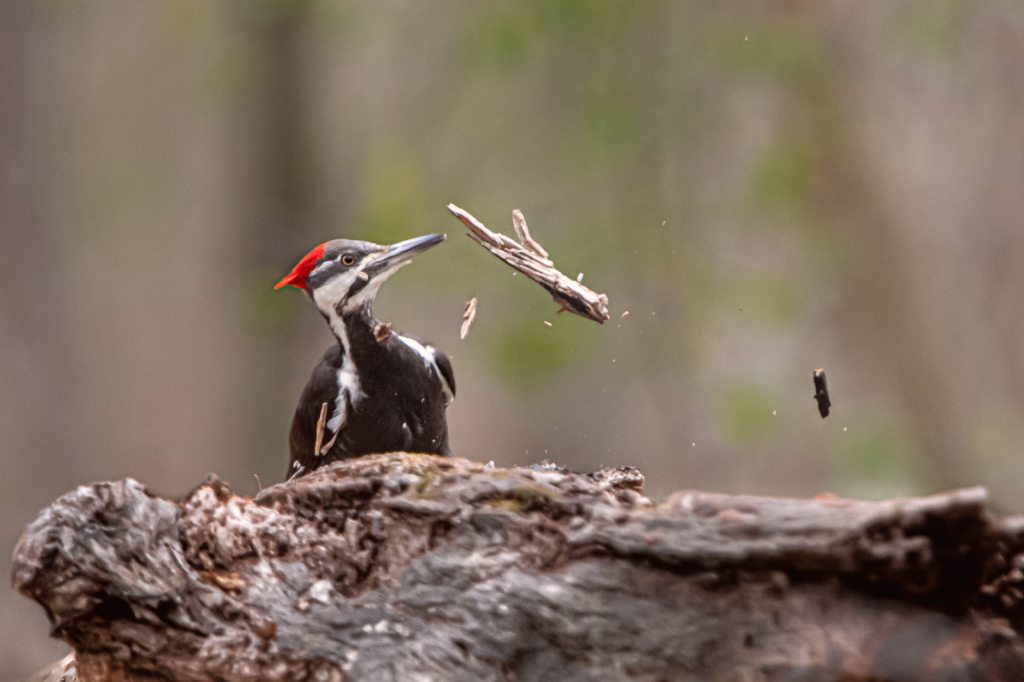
(348, 259)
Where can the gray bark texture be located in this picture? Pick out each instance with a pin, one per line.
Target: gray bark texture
(413, 567)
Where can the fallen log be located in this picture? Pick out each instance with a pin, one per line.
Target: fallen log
(413, 567)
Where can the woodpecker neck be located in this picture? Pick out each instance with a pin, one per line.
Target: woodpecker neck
(347, 324)
(358, 322)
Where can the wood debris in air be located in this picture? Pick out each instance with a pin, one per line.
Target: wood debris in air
(382, 331)
(467, 317)
(821, 393)
(530, 258)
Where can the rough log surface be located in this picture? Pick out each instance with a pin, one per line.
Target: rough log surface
(411, 567)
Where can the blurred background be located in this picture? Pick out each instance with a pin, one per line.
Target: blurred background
(766, 187)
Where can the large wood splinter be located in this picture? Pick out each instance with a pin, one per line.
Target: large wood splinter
(532, 260)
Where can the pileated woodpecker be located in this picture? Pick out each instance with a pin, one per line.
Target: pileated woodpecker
(375, 390)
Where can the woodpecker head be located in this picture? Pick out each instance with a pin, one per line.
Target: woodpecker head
(344, 275)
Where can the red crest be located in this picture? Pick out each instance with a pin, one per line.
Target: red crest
(297, 277)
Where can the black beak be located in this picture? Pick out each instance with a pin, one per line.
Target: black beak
(400, 253)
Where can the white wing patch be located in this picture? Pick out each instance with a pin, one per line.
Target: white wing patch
(429, 356)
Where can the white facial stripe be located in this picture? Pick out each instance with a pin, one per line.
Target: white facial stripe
(327, 298)
(349, 390)
(334, 290)
(369, 292)
(429, 356)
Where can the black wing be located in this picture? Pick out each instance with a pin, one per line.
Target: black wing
(321, 388)
(445, 366)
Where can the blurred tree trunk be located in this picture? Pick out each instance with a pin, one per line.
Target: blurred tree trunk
(33, 364)
(281, 228)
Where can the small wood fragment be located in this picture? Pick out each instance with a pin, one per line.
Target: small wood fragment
(531, 259)
(579, 277)
(382, 331)
(547, 323)
(625, 313)
(227, 582)
(467, 317)
(326, 448)
(258, 482)
(320, 424)
(363, 276)
(821, 393)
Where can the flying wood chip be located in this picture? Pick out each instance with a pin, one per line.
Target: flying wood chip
(532, 260)
(467, 318)
(821, 393)
(382, 331)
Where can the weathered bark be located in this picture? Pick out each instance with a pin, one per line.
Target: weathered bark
(411, 567)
